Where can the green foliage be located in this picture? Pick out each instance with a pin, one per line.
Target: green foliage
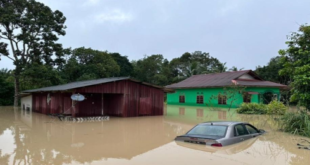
(271, 71)
(6, 88)
(32, 31)
(86, 63)
(276, 107)
(196, 63)
(296, 123)
(296, 62)
(234, 68)
(38, 76)
(252, 108)
(152, 69)
(126, 68)
(3, 49)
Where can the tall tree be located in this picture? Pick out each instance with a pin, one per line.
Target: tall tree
(196, 63)
(38, 76)
(31, 29)
(296, 59)
(152, 69)
(126, 67)
(271, 71)
(234, 68)
(221, 67)
(86, 64)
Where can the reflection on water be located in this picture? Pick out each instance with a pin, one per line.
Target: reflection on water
(31, 138)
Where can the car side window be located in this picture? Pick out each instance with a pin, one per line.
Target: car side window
(240, 130)
(251, 129)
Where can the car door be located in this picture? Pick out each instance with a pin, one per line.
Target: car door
(252, 130)
(242, 133)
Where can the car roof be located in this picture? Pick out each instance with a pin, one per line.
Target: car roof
(227, 123)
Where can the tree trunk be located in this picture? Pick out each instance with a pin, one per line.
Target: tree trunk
(16, 91)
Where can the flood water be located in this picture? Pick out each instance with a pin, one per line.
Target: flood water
(32, 138)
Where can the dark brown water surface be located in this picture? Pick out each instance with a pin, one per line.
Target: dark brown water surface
(32, 138)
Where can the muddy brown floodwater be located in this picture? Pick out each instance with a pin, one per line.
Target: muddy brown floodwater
(32, 138)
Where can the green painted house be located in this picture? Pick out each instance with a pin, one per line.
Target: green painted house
(227, 89)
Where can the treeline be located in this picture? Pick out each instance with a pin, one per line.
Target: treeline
(86, 64)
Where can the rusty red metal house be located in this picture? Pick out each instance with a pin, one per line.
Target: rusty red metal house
(118, 96)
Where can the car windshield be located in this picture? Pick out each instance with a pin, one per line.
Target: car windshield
(208, 130)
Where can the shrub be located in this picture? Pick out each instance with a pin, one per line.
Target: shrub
(276, 107)
(252, 108)
(296, 123)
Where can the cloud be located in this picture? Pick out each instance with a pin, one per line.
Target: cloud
(229, 7)
(91, 2)
(115, 15)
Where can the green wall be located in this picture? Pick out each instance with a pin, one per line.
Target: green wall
(191, 95)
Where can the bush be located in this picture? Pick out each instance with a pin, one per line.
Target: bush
(296, 123)
(276, 107)
(252, 108)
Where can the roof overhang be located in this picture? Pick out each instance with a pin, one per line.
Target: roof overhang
(23, 95)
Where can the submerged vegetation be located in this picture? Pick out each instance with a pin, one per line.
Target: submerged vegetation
(252, 108)
(296, 123)
(274, 107)
(292, 122)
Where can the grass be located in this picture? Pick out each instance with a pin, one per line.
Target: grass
(296, 123)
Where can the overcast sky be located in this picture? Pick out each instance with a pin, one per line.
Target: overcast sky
(243, 33)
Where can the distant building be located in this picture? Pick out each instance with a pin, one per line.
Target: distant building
(119, 96)
(216, 89)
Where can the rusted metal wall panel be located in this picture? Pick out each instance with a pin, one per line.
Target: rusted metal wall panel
(135, 91)
(131, 102)
(121, 98)
(145, 106)
(39, 103)
(56, 103)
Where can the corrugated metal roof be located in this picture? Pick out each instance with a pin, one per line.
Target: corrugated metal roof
(221, 79)
(78, 84)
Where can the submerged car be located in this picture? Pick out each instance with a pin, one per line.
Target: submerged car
(220, 134)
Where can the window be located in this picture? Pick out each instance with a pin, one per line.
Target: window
(208, 130)
(222, 99)
(181, 99)
(240, 130)
(199, 99)
(246, 98)
(251, 129)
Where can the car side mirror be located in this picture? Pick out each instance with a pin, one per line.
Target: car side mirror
(261, 131)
